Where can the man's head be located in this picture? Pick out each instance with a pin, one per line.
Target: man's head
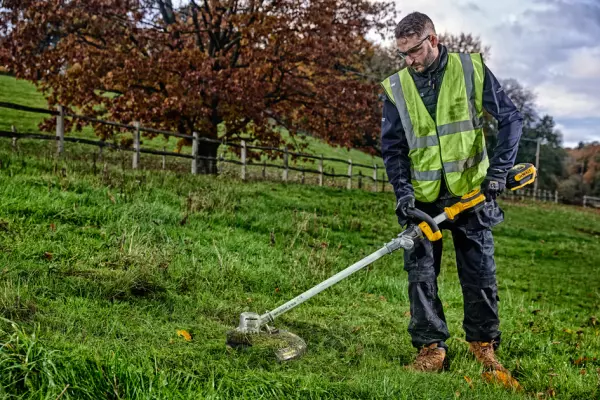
(417, 41)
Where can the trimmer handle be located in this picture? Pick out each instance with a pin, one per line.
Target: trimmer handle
(473, 201)
(428, 225)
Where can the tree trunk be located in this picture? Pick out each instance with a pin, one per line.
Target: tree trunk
(206, 166)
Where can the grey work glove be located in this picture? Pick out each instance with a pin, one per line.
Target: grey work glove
(404, 204)
(492, 188)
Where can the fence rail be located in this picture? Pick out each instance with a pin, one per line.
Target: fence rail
(244, 162)
(136, 129)
(589, 201)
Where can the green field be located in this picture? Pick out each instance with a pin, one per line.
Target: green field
(100, 269)
(98, 272)
(25, 93)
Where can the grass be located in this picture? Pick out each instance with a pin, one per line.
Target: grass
(99, 270)
(25, 93)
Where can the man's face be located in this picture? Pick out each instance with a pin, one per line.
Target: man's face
(418, 51)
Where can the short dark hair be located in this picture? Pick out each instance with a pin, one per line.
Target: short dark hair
(415, 23)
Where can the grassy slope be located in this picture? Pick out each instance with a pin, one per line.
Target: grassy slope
(25, 93)
(107, 268)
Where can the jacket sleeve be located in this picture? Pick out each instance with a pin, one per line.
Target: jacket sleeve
(394, 149)
(510, 127)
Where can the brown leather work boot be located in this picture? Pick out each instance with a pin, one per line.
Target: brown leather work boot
(484, 353)
(431, 358)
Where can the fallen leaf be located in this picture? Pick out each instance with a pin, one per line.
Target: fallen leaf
(356, 329)
(469, 381)
(382, 298)
(457, 394)
(582, 371)
(52, 227)
(581, 360)
(502, 378)
(48, 256)
(184, 334)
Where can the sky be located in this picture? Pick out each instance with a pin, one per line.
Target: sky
(552, 47)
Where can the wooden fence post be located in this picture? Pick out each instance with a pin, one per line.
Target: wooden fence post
(332, 172)
(243, 157)
(349, 184)
(556, 196)
(164, 158)
(195, 146)
(264, 170)
(14, 139)
(136, 146)
(221, 165)
(60, 130)
(321, 171)
(584, 200)
(360, 179)
(285, 164)
(374, 177)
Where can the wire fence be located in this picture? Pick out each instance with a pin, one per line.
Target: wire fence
(376, 180)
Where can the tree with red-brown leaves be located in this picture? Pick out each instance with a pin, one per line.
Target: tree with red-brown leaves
(229, 69)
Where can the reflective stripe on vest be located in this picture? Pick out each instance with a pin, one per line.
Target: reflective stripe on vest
(454, 145)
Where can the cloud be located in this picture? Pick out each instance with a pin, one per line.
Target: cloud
(560, 102)
(575, 131)
(551, 47)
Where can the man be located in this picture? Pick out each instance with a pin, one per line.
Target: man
(434, 152)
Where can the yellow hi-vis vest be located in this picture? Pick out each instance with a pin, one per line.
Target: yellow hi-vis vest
(454, 144)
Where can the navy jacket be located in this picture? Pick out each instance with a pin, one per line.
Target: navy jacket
(394, 146)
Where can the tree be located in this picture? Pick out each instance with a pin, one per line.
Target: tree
(572, 189)
(382, 62)
(585, 162)
(552, 154)
(233, 70)
(464, 43)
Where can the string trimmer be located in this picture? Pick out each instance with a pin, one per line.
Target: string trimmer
(254, 328)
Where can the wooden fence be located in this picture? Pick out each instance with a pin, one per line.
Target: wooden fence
(378, 177)
(589, 201)
(378, 180)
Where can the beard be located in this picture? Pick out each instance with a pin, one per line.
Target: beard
(427, 61)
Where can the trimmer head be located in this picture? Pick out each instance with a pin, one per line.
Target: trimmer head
(286, 345)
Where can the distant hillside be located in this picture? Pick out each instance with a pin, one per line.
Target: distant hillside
(25, 93)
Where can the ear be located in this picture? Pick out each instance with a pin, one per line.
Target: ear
(434, 40)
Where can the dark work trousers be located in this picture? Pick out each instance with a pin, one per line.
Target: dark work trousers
(474, 246)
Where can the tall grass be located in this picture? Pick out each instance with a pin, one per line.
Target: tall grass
(98, 271)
